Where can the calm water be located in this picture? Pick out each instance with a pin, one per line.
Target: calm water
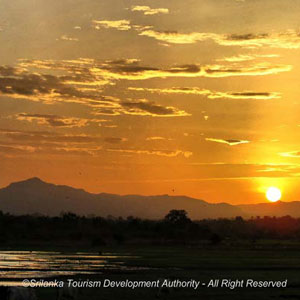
(17, 265)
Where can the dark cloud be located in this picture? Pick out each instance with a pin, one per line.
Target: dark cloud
(246, 37)
(210, 94)
(131, 69)
(114, 140)
(80, 85)
(145, 107)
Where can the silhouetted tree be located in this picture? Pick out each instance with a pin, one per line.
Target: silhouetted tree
(177, 217)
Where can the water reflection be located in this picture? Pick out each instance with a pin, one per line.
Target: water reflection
(34, 264)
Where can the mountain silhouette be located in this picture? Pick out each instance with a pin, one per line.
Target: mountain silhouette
(276, 209)
(34, 196)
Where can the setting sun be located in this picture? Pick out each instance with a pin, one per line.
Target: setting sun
(273, 194)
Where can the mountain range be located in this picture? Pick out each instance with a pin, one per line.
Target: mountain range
(34, 196)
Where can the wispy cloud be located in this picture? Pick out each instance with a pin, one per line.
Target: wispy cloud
(247, 57)
(173, 90)
(146, 107)
(245, 95)
(131, 69)
(18, 142)
(114, 140)
(16, 149)
(68, 38)
(173, 37)
(230, 142)
(57, 121)
(157, 138)
(122, 25)
(167, 153)
(149, 11)
(135, 71)
(290, 154)
(287, 40)
(81, 81)
(274, 169)
(48, 137)
(142, 107)
(210, 94)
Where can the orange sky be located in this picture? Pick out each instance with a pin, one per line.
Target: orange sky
(197, 97)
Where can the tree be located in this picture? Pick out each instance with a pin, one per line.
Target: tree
(176, 216)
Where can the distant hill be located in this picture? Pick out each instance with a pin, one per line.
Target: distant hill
(36, 196)
(277, 209)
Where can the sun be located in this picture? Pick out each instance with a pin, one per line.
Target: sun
(273, 194)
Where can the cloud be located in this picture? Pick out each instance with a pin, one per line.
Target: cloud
(167, 153)
(274, 169)
(150, 108)
(211, 94)
(92, 151)
(81, 81)
(114, 140)
(173, 37)
(47, 137)
(54, 143)
(122, 25)
(230, 142)
(149, 11)
(173, 90)
(156, 138)
(110, 126)
(289, 39)
(295, 154)
(77, 85)
(18, 142)
(255, 70)
(92, 71)
(245, 95)
(16, 149)
(57, 121)
(247, 57)
(141, 107)
(68, 38)
(134, 71)
(286, 40)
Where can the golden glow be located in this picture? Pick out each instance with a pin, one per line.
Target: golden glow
(273, 194)
(140, 110)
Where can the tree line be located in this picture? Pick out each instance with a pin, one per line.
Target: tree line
(175, 228)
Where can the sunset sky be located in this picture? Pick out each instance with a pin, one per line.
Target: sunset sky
(194, 97)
